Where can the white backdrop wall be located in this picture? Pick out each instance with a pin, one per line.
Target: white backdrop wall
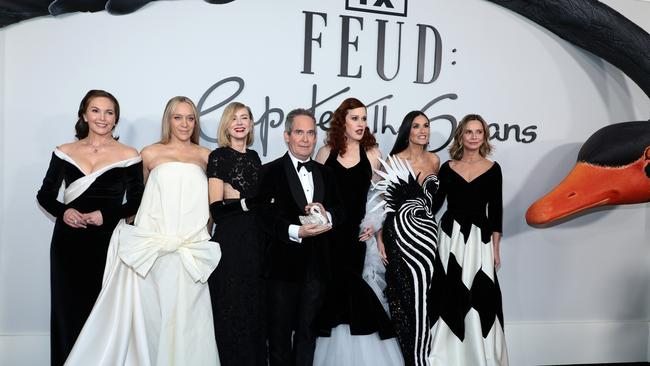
(578, 292)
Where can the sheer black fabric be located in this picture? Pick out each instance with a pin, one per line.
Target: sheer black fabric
(240, 170)
(237, 286)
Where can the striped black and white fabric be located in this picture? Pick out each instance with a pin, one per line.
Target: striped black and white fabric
(413, 270)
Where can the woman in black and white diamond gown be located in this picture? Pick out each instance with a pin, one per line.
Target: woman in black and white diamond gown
(154, 307)
(470, 330)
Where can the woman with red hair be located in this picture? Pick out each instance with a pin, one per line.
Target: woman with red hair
(352, 316)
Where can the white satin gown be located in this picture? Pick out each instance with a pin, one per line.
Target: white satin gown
(154, 307)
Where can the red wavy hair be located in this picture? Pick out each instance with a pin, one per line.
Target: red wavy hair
(336, 134)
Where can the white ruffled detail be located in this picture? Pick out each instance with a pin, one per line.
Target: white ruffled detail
(343, 349)
(140, 248)
(374, 272)
(373, 268)
(79, 186)
(396, 170)
(374, 218)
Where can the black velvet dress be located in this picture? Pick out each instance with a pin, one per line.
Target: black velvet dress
(349, 299)
(237, 285)
(78, 256)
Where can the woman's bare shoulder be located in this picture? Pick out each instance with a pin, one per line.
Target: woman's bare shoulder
(126, 151)
(69, 147)
(323, 153)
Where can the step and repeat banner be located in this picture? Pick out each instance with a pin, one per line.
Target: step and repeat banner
(582, 282)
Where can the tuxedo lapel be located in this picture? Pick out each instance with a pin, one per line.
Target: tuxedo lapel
(319, 183)
(294, 183)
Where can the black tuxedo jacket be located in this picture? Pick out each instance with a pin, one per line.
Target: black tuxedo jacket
(289, 260)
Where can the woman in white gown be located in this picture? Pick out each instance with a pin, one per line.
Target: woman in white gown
(154, 307)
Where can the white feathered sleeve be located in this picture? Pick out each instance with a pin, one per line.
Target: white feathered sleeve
(374, 218)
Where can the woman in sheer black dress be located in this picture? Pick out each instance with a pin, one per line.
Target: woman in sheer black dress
(97, 172)
(236, 286)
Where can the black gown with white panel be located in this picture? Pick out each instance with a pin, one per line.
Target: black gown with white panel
(470, 328)
(78, 255)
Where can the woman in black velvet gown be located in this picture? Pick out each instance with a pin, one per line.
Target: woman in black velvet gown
(97, 172)
(236, 286)
(351, 309)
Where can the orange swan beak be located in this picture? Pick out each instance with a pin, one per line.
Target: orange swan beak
(589, 186)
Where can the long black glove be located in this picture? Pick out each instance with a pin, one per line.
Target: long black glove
(222, 209)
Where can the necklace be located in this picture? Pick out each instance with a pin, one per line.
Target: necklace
(96, 148)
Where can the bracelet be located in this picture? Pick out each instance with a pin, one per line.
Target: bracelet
(243, 204)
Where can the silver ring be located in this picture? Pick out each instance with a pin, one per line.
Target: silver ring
(74, 221)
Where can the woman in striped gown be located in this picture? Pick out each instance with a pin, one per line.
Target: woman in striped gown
(407, 242)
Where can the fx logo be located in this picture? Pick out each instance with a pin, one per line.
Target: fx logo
(389, 7)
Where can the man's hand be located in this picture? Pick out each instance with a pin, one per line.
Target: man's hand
(309, 230)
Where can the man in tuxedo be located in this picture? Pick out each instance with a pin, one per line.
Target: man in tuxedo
(298, 254)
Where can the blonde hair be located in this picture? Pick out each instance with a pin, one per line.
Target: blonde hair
(223, 137)
(457, 149)
(166, 134)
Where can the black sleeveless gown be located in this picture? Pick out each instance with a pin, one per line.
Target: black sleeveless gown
(236, 285)
(349, 299)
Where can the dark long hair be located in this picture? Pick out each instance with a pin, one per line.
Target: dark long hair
(336, 134)
(402, 139)
(81, 127)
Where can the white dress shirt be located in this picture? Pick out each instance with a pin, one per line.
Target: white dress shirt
(306, 179)
(307, 183)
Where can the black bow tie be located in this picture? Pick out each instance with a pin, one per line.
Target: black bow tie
(309, 165)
